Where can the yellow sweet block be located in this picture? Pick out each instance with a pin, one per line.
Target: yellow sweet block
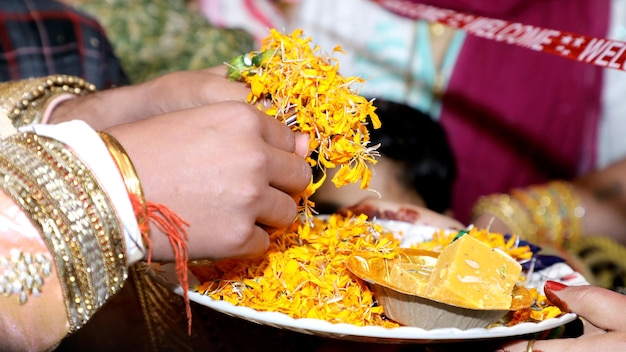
(471, 274)
(410, 277)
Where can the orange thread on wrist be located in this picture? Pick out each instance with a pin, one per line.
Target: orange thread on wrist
(174, 227)
(165, 219)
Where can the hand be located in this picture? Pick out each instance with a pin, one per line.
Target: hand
(168, 93)
(605, 326)
(228, 169)
(387, 210)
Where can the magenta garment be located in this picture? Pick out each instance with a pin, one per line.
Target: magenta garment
(514, 116)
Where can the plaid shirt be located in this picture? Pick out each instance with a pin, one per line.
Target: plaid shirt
(43, 37)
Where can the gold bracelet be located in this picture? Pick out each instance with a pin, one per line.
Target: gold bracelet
(537, 203)
(547, 213)
(131, 179)
(572, 210)
(509, 211)
(24, 101)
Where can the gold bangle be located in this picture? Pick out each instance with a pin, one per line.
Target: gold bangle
(131, 179)
(509, 211)
(24, 101)
(572, 212)
(555, 210)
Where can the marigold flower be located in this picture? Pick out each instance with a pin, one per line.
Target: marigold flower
(304, 273)
(442, 238)
(302, 82)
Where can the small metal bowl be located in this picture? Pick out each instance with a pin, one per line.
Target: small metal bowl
(412, 309)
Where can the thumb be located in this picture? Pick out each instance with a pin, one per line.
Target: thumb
(595, 304)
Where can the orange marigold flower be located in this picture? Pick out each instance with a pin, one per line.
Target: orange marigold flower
(306, 86)
(303, 274)
(494, 239)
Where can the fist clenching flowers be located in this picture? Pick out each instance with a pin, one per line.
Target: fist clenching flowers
(304, 87)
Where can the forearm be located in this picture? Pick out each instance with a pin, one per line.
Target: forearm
(603, 196)
(106, 108)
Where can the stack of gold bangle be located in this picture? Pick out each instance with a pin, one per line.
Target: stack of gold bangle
(549, 213)
(74, 216)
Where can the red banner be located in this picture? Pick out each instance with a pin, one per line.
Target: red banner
(596, 51)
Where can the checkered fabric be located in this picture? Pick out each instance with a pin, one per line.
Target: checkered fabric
(44, 37)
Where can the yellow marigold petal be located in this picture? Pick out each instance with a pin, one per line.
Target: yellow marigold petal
(296, 76)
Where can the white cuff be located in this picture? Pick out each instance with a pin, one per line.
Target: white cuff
(90, 149)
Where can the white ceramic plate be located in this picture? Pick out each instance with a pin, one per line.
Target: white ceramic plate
(403, 334)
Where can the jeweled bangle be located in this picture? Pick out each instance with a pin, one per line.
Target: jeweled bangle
(23, 102)
(572, 211)
(74, 216)
(557, 212)
(546, 213)
(509, 211)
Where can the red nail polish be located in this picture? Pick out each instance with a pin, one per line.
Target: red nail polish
(550, 288)
(554, 286)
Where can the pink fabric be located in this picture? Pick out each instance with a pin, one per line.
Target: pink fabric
(515, 116)
(41, 322)
(53, 104)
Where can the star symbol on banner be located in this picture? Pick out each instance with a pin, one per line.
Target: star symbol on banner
(578, 42)
(567, 39)
(563, 50)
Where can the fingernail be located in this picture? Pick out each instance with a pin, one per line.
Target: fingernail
(550, 288)
(554, 286)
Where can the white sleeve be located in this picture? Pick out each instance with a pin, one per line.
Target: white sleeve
(91, 150)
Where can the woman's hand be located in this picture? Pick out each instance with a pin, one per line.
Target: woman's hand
(228, 169)
(387, 210)
(168, 93)
(601, 309)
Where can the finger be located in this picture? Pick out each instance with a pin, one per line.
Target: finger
(278, 209)
(219, 70)
(217, 88)
(596, 305)
(276, 133)
(198, 88)
(289, 173)
(381, 209)
(255, 247)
